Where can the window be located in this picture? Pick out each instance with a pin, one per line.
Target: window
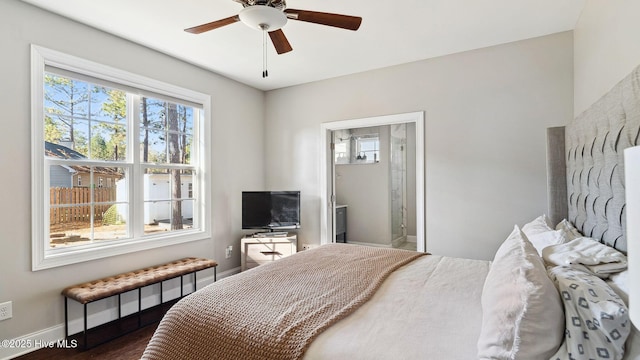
(367, 148)
(351, 146)
(146, 138)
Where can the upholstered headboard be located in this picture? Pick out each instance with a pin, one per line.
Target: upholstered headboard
(594, 165)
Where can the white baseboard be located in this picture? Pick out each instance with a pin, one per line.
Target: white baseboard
(54, 336)
(412, 238)
(228, 273)
(397, 242)
(369, 244)
(32, 342)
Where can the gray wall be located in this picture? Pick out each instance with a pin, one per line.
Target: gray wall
(606, 48)
(237, 115)
(486, 115)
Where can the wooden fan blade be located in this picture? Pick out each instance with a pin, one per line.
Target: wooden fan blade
(212, 25)
(280, 41)
(336, 20)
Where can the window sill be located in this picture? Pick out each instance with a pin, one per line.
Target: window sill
(67, 256)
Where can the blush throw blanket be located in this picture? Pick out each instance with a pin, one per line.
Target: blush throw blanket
(274, 311)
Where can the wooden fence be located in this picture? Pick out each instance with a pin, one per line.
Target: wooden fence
(72, 205)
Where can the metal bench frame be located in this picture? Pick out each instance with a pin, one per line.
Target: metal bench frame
(139, 312)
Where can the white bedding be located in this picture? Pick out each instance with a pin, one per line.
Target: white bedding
(586, 254)
(428, 309)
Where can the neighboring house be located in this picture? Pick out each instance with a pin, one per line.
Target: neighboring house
(77, 176)
(157, 191)
(157, 187)
(61, 176)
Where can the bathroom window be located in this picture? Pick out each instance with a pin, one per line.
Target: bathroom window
(356, 148)
(367, 149)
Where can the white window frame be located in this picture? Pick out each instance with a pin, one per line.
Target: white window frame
(42, 256)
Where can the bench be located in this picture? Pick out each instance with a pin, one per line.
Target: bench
(99, 289)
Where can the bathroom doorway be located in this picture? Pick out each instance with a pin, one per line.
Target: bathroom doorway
(372, 186)
(373, 171)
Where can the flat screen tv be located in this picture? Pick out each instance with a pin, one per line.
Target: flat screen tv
(271, 210)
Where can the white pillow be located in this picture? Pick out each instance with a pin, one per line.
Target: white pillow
(541, 234)
(521, 308)
(570, 231)
(597, 320)
(538, 225)
(547, 238)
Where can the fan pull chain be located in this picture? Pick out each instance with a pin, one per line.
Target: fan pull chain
(265, 72)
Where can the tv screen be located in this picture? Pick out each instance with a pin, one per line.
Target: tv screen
(271, 210)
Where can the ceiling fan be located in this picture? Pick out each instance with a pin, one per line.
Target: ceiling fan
(271, 15)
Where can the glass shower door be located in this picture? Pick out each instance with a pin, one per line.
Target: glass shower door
(398, 174)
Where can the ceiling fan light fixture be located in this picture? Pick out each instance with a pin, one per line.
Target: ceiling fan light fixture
(261, 17)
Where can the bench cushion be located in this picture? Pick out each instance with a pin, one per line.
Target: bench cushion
(113, 285)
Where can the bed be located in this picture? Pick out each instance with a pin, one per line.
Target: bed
(556, 288)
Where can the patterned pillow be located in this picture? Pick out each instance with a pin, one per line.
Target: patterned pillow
(596, 319)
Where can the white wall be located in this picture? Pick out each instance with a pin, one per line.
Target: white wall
(486, 115)
(237, 115)
(606, 48)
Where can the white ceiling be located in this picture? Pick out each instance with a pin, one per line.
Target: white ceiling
(392, 32)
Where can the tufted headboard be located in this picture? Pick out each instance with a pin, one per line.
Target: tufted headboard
(594, 165)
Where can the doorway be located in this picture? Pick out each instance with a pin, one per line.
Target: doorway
(354, 150)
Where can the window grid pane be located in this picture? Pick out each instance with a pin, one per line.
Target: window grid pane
(166, 132)
(168, 199)
(78, 213)
(87, 119)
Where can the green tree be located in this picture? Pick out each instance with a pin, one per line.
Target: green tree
(185, 148)
(153, 114)
(145, 130)
(66, 99)
(81, 143)
(115, 106)
(99, 148)
(52, 132)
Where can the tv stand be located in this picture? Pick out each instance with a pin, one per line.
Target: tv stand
(257, 250)
(271, 234)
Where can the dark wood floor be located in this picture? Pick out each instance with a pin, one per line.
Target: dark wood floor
(127, 347)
